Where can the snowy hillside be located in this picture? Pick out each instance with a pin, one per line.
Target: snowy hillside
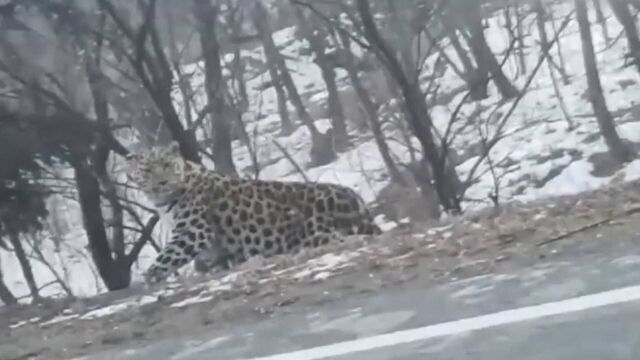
(539, 157)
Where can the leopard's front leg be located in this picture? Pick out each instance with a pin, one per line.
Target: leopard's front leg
(183, 247)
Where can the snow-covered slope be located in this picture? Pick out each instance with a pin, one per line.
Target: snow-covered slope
(539, 157)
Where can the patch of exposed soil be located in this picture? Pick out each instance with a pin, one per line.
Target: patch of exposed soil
(423, 254)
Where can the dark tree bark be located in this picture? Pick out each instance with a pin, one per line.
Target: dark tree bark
(271, 58)
(370, 110)
(485, 59)
(221, 113)
(516, 33)
(98, 87)
(286, 127)
(401, 33)
(476, 79)
(621, 10)
(322, 149)
(238, 71)
(25, 265)
(602, 21)
(561, 66)
(6, 296)
(114, 267)
(618, 150)
(467, 65)
(316, 38)
(285, 121)
(114, 273)
(93, 180)
(153, 68)
(183, 82)
(541, 16)
(520, 37)
(416, 109)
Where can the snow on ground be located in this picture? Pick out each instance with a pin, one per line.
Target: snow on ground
(316, 269)
(540, 157)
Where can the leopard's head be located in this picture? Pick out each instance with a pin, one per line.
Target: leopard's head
(159, 172)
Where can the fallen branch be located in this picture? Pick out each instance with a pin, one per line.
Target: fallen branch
(628, 212)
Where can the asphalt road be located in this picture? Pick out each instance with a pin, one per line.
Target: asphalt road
(584, 308)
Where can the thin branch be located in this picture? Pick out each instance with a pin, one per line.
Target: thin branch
(333, 23)
(291, 160)
(502, 123)
(145, 237)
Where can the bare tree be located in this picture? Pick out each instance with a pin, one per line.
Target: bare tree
(39, 255)
(143, 49)
(602, 21)
(6, 296)
(25, 265)
(322, 149)
(516, 32)
(416, 110)
(86, 144)
(622, 12)
(463, 55)
(220, 111)
(618, 150)
(316, 36)
(235, 19)
(541, 16)
(485, 59)
(520, 36)
(271, 59)
(463, 18)
(370, 108)
(402, 34)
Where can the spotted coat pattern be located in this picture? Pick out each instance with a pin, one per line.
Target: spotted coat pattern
(238, 218)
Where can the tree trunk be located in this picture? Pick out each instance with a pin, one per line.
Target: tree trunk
(286, 127)
(487, 62)
(620, 9)
(602, 21)
(475, 78)
(221, 113)
(618, 150)
(561, 66)
(115, 275)
(417, 114)
(371, 112)
(455, 22)
(6, 296)
(315, 37)
(322, 151)
(154, 70)
(238, 75)
(467, 65)
(25, 265)
(97, 86)
(520, 37)
(544, 44)
(401, 31)
(276, 78)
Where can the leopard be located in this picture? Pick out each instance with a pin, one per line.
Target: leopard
(236, 218)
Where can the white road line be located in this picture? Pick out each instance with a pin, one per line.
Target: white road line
(618, 296)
